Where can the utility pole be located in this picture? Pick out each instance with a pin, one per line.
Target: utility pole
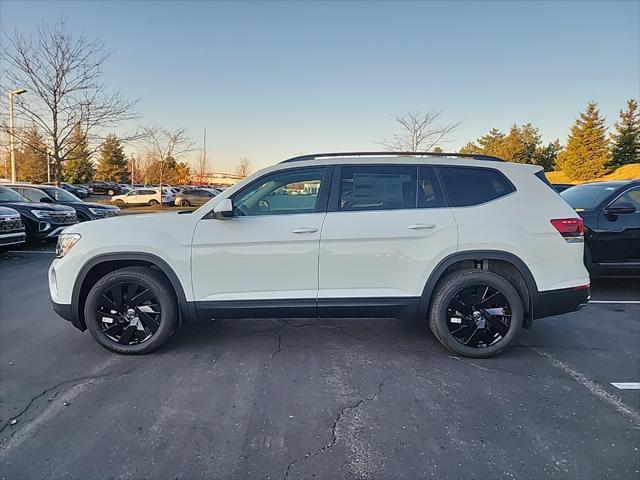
(12, 148)
(133, 160)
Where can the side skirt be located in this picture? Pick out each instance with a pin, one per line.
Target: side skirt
(394, 307)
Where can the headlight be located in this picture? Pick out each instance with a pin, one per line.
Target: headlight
(41, 213)
(66, 241)
(98, 211)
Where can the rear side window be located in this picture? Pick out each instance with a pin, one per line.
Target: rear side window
(378, 187)
(468, 186)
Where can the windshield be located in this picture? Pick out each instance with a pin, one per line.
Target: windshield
(8, 195)
(61, 195)
(587, 197)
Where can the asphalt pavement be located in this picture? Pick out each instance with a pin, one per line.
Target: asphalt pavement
(373, 398)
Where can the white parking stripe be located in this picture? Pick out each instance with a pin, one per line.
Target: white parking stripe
(50, 252)
(615, 301)
(626, 385)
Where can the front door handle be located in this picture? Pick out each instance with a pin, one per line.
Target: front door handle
(304, 230)
(422, 226)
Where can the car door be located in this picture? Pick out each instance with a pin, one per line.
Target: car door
(386, 229)
(619, 234)
(266, 255)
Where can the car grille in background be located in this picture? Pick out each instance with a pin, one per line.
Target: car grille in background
(63, 218)
(9, 224)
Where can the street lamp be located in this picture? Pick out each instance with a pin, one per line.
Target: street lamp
(12, 94)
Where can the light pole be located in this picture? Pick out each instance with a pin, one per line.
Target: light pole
(11, 94)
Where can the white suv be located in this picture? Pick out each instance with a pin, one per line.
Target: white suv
(476, 247)
(144, 196)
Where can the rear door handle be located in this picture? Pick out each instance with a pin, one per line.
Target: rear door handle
(304, 230)
(422, 226)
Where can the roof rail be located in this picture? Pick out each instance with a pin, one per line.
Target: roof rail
(316, 156)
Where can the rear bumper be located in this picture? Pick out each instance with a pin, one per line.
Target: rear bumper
(556, 302)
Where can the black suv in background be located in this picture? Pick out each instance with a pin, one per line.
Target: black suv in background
(77, 190)
(611, 214)
(11, 228)
(105, 188)
(49, 194)
(42, 221)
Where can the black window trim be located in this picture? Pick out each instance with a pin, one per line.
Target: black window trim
(473, 167)
(622, 191)
(323, 193)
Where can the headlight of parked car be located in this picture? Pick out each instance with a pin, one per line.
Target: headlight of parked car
(66, 241)
(98, 211)
(40, 213)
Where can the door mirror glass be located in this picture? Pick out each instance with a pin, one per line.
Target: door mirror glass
(620, 208)
(223, 210)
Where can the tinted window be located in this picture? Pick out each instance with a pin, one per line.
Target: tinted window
(280, 193)
(429, 191)
(472, 186)
(588, 196)
(34, 195)
(630, 196)
(378, 187)
(8, 195)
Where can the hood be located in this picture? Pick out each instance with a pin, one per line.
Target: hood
(147, 222)
(37, 206)
(91, 205)
(7, 211)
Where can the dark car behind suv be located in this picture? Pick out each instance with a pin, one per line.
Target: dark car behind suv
(77, 190)
(11, 228)
(49, 194)
(611, 214)
(105, 188)
(42, 221)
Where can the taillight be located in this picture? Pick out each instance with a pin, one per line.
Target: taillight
(571, 229)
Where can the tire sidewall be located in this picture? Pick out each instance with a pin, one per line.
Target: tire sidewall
(452, 285)
(164, 295)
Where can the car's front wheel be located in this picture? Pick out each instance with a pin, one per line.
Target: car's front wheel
(132, 310)
(153, 203)
(185, 203)
(475, 313)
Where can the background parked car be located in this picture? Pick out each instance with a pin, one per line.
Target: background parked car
(105, 188)
(561, 187)
(11, 228)
(50, 194)
(194, 196)
(77, 190)
(42, 221)
(611, 214)
(144, 196)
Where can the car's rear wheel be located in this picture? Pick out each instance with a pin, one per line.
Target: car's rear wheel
(132, 310)
(153, 202)
(185, 203)
(475, 313)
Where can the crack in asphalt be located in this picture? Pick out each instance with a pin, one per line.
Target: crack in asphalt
(72, 382)
(334, 436)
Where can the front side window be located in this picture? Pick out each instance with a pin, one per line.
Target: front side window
(281, 193)
(377, 187)
(588, 196)
(468, 186)
(33, 194)
(631, 196)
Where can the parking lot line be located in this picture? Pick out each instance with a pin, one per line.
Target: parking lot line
(48, 252)
(615, 301)
(626, 385)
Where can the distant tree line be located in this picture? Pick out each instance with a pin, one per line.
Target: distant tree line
(589, 153)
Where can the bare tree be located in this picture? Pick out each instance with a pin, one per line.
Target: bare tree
(243, 168)
(420, 132)
(164, 144)
(63, 77)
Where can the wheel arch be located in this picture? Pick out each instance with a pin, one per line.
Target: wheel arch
(505, 264)
(102, 264)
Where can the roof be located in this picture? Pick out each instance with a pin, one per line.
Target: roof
(318, 156)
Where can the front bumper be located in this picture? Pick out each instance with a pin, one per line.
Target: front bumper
(556, 302)
(66, 312)
(12, 238)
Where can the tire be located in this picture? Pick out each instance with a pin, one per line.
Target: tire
(453, 322)
(119, 203)
(153, 203)
(185, 203)
(138, 332)
(111, 193)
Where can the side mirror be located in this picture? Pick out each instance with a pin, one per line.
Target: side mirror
(46, 200)
(620, 208)
(223, 210)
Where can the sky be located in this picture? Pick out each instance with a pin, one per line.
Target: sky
(270, 80)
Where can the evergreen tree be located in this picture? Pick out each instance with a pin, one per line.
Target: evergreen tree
(112, 165)
(546, 156)
(78, 167)
(587, 152)
(626, 138)
(31, 159)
